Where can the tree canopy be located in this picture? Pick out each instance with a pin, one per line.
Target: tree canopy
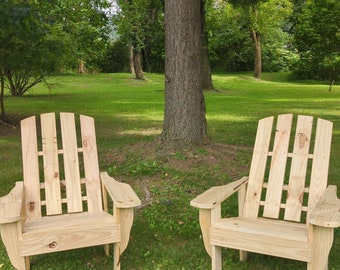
(317, 39)
(38, 38)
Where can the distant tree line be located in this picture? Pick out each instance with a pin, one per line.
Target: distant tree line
(301, 36)
(39, 38)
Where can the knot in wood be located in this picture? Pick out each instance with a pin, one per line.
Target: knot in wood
(85, 143)
(53, 244)
(302, 139)
(31, 206)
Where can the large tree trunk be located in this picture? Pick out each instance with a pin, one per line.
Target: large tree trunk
(206, 69)
(184, 114)
(256, 37)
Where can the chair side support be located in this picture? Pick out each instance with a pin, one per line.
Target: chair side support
(209, 204)
(11, 224)
(124, 200)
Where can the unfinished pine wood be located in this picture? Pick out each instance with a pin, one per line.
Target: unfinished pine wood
(263, 236)
(326, 213)
(11, 204)
(257, 167)
(278, 166)
(69, 231)
(297, 177)
(27, 230)
(71, 163)
(309, 241)
(51, 164)
(218, 194)
(89, 147)
(30, 168)
(319, 176)
(122, 194)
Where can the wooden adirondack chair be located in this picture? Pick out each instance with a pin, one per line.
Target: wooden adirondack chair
(65, 207)
(285, 207)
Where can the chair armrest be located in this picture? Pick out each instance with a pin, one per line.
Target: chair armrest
(122, 194)
(11, 204)
(327, 211)
(218, 194)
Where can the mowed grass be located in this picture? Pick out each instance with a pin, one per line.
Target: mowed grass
(166, 234)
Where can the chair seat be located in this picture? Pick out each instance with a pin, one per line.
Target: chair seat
(68, 231)
(272, 237)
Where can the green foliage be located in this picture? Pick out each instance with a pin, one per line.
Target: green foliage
(317, 39)
(39, 38)
(139, 24)
(116, 58)
(230, 24)
(135, 166)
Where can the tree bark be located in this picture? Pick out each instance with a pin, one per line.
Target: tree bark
(137, 63)
(256, 37)
(2, 95)
(184, 114)
(132, 66)
(206, 69)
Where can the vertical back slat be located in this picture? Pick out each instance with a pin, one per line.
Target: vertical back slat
(258, 166)
(90, 155)
(298, 170)
(322, 149)
(30, 168)
(71, 163)
(51, 164)
(278, 166)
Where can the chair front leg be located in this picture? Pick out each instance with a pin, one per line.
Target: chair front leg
(322, 239)
(10, 233)
(207, 217)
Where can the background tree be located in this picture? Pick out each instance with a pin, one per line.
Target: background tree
(262, 17)
(230, 48)
(205, 62)
(3, 116)
(28, 41)
(139, 24)
(38, 39)
(317, 39)
(184, 114)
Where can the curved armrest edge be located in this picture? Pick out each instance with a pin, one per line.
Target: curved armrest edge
(217, 194)
(327, 211)
(11, 204)
(121, 193)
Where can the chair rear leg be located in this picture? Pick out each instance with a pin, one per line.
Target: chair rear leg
(216, 258)
(243, 255)
(116, 256)
(107, 249)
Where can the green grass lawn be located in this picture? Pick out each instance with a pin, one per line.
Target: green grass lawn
(166, 234)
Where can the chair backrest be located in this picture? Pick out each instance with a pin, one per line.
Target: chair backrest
(61, 173)
(287, 179)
